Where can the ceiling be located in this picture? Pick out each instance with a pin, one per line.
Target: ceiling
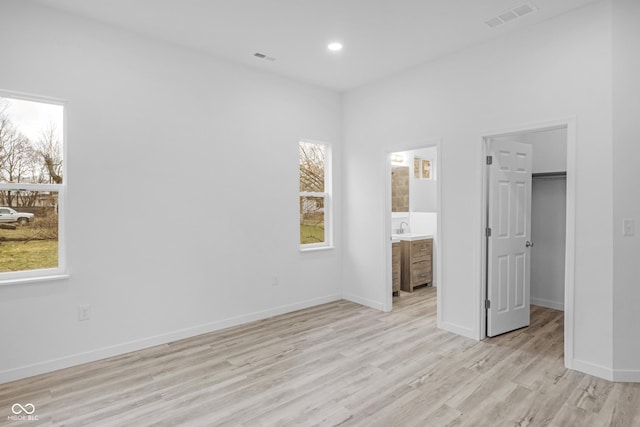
(380, 37)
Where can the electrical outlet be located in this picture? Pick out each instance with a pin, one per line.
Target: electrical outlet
(628, 227)
(84, 313)
(275, 281)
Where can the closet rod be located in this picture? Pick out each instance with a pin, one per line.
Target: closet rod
(549, 174)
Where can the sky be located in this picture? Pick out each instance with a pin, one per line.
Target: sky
(31, 117)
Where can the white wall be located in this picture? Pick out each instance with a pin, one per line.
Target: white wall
(548, 232)
(173, 229)
(549, 150)
(423, 193)
(626, 199)
(559, 68)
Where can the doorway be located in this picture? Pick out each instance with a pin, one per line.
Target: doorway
(552, 190)
(412, 213)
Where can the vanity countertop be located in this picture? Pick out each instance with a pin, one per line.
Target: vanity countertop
(410, 236)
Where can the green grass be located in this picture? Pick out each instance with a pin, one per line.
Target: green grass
(311, 233)
(27, 254)
(33, 255)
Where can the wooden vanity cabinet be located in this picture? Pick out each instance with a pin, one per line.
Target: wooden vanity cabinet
(416, 263)
(395, 267)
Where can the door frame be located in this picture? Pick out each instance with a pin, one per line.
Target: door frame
(569, 268)
(388, 285)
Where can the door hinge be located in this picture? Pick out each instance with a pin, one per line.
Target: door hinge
(488, 232)
(489, 160)
(487, 304)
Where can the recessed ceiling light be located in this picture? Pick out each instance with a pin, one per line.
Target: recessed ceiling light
(335, 46)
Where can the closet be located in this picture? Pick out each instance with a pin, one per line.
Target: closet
(548, 232)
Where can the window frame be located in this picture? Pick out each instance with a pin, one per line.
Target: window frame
(59, 272)
(326, 195)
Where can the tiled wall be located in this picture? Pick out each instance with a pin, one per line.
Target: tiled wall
(399, 189)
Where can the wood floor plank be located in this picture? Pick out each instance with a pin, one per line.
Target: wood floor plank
(622, 407)
(336, 364)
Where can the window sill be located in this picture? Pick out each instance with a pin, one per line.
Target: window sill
(317, 248)
(35, 279)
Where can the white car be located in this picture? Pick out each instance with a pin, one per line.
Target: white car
(10, 215)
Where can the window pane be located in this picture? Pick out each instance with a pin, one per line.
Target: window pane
(312, 161)
(311, 220)
(28, 230)
(30, 142)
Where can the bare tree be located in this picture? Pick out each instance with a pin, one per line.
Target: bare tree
(312, 158)
(15, 154)
(7, 131)
(17, 158)
(50, 149)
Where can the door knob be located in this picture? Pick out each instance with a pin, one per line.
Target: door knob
(529, 244)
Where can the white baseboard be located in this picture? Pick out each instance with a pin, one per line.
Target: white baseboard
(593, 369)
(617, 375)
(364, 301)
(460, 330)
(118, 349)
(547, 303)
(626, 376)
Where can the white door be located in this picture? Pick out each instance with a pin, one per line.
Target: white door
(508, 244)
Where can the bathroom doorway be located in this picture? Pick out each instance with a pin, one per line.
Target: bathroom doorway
(412, 221)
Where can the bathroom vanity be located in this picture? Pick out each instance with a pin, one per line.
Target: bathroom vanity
(416, 261)
(396, 266)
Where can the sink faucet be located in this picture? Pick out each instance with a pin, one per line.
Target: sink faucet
(401, 229)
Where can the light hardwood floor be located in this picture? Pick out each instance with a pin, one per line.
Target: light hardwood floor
(336, 364)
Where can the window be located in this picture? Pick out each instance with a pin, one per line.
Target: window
(315, 213)
(32, 186)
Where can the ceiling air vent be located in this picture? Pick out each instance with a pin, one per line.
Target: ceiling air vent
(523, 10)
(494, 22)
(511, 15)
(263, 56)
(508, 16)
